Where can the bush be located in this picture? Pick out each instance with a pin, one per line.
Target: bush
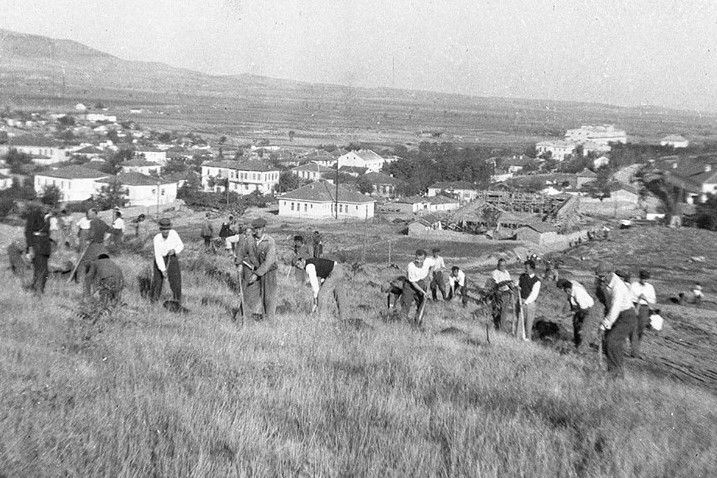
(6, 205)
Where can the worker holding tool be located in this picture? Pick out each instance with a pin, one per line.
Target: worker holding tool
(643, 297)
(415, 287)
(327, 279)
(581, 305)
(528, 288)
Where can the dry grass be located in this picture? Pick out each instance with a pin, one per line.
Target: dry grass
(145, 392)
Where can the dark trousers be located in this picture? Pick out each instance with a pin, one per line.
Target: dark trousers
(410, 295)
(582, 328)
(503, 311)
(438, 284)
(643, 320)
(174, 275)
(40, 272)
(615, 341)
(207, 241)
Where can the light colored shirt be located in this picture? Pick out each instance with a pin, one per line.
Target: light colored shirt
(83, 223)
(579, 297)
(162, 247)
(230, 241)
(118, 224)
(500, 276)
(438, 264)
(313, 279)
(460, 279)
(647, 291)
(415, 273)
(620, 299)
(54, 224)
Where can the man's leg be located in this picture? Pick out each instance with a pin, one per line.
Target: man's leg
(174, 276)
(506, 312)
(615, 339)
(578, 319)
(441, 285)
(157, 283)
(420, 303)
(407, 298)
(331, 288)
(269, 291)
(40, 272)
(643, 319)
(528, 319)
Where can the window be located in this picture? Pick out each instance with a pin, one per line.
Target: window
(162, 191)
(306, 207)
(341, 208)
(357, 208)
(154, 191)
(292, 206)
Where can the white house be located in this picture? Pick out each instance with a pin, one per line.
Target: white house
(460, 189)
(558, 149)
(603, 134)
(318, 200)
(442, 204)
(89, 152)
(385, 185)
(596, 148)
(80, 107)
(140, 166)
(43, 150)
(5, 182)
(95, 117)
(313, 171)
(142, 190)
(74, 182)
(363, 158)
(151, 154)
(244, 177)
(600, 162)
(322, 158)
(675, 140)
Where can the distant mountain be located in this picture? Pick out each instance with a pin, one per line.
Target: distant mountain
(40, 67)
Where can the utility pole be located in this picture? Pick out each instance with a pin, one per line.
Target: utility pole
(337, 189)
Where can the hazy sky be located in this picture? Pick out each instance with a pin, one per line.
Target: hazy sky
(624, 52)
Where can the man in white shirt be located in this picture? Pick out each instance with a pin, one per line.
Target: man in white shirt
(529, 288)
(327, 279)
(457, 284)
(415, 287)
(581, 304)
(167, 245)
(643, 297)
(437, 280)
(117, 228)
(502, 297)
(619, 319)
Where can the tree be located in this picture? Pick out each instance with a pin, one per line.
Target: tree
(111, 195)
(364, 185)
(51, 195)
(16, 160)
(100, 106)
(288, 181)
(66, 120)
(176, 165)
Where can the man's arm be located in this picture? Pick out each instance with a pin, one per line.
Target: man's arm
(178, 244)
(313, 279)
(616, 299)
(269, 261)
(650, 295)
(533, 293)
(158, 257)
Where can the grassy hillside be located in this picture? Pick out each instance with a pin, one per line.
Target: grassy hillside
(145, 392)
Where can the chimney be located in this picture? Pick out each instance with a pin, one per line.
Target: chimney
(708, 168)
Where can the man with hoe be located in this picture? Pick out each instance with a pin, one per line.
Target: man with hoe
(581, 305)
(105, 277)
(415, 287)
(260, 265)
(327, 279)
(167, 245)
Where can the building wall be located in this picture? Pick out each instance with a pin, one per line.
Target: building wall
(159, 157)
(71, 189)
(352, 159)
(5, 183)
(148, 195)
(55, 155)
(241, 182)
(148, 170)
(314, 210)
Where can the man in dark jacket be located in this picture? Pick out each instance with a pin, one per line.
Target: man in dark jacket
(38, 246)
(96, 235)
(105, 276)
(259, 265)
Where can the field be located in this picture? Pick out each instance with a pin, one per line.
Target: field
(146, 392)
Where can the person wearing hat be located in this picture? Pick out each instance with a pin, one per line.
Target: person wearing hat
(643, 297)
(167, 245)
(437, 280)
(106, 277)
(301, 250)
(327, 279)
(581, 305)
(97, 233)
(259, 268)
(37, 245)
(317, 242)
(619, 318)
(207, 231)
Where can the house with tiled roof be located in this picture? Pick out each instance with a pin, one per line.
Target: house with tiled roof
(585, 176)
(363, 158)
(76, 183)
(89, 152)
(313, 171)
(151, 154)
(693, 178)
(142, 190)
(557, 149)
(319, 200)
(675, 140)
(244, 177)
(44, 151)
(463, 190)
(140, 166)
(385, 185)
(442, 204)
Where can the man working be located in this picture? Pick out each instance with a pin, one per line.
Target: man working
(437, 281)
(416, 285)
(529, 286)
(581, 305)
(96, 234)
(301, 249)
(38, 246)
(619, 319)
(230, 242)
(502, 297)
(457, 285)
(643, 297)
(326, 278)
(317, 243)
(106, 277)
(207, 231)
(167, 245)
(259, 264)
(117, 228)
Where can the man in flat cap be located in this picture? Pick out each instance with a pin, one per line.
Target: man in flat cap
(643, 297)
(258, 260)
(167, 245)
(38, 246)
(620, 318)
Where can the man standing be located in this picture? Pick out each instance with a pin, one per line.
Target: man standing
(457, 284)
(437, 281)
(619, 319)
(117, 228)
(318, 244)
(38, 247)
(167, 245)
(226, 229)
(95, 236)
(106, 277)
(581, 305)
(529, 286)
(415, 286)
(301, 249)
(259, 261)
(326, 278)
(502, 297)
(643, 296)
(207, 231)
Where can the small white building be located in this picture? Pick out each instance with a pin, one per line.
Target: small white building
(675, 140)
(140, 166)
(151, 154)
(44, 151)
(313, 171)
(74, 182)
(363, 158)
(142, 190)
(596, 148)
(602, 134)
(318, 200)
(96, 117)
(462, 190)
(558, 149)
(5, 182)
(80, 107)
(442, 204)
(244, 177)
(600, 162)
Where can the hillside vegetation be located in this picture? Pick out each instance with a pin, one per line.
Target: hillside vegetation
(146, 392)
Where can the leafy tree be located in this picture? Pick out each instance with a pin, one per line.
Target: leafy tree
(16, 160)
(164, 137)
(364, 185)
(51, 195)
(66, 120)
(707, 214)
(176, 165)
(99, 106)
(530, 151)
(288, 181)
(222, 139)
(111, 195)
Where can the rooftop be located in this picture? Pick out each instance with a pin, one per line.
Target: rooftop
(259, 166)
(39, 141)
(138, 163)
(73, 172)
(324, 192)
(314, 167)
(135, 179)
(446, 185)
